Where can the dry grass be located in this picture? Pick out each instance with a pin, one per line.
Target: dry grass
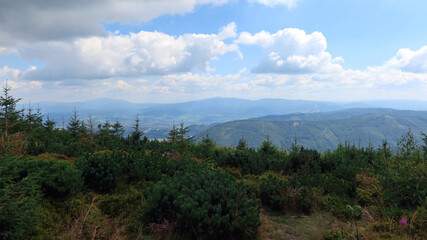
(92, 224)
(55, 157)
(275, 226)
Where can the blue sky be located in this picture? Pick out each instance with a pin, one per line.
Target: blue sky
(180, 50)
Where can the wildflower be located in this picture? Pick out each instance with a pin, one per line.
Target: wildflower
(403, 221)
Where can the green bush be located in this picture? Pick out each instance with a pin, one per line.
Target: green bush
(405, 184)
(19, 197)
(149, 167)
(101, 172)
(368, 191)
(18, 210)
(271, 191)
(204, 203)
(122, 204)
(339, 207)
(335, 234)
(60, 179)
(55, 179)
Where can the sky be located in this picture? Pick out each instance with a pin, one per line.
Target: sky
(163, 51)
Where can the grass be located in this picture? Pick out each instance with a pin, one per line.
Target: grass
(276, 225)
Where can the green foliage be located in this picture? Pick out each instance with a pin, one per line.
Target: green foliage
(134, 139)
(127, 202)
(281, 195)
(271, 191)
(10, 118)
(19, 197)
(55, 179)
(60, 179)
(205, 203)
(339, 209)
(101, 172)
(205, 148)
(335, 234)
(148, 167)
(303, 160)
(405, 181)
(368, 190)
(355, 212)
(407, 145)
(178, 138)
(18, 212)
(406, 184)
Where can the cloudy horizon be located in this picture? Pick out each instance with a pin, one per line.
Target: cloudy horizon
(181, 50)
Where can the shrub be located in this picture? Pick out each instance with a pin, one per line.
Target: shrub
(149, 167)
(339, 207)
(101, 172)
(55, 179)
(60, 179)
(271, 191)
(205, 203)
(18, 213)
(19, 197)
(405, 185)
(368, 190)
(335, 234)
(126, 203)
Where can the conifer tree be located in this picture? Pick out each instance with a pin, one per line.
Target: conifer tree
(74, 124)
(118, 129)
(8, 113)
(136, 134)
(49, 124)
(178, 138)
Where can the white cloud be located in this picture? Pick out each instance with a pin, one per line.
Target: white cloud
(410, 61)
(292, 51)
(271, 3)
(4, 51)
(190, 83)
(132, 55)
(122, 85)
(228, 31)
(23, 88)
(23, 20)
(346, 85)
(10, 72)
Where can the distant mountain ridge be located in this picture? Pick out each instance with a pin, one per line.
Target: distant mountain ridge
(324, 130)
(156, 119)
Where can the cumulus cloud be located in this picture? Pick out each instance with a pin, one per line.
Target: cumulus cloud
(143, 53)
(10, 72)
(23, 20)
(271, 3)
(291, 51)
(229, 31)
(410, 61)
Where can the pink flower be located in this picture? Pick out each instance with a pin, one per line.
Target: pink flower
(403, 221)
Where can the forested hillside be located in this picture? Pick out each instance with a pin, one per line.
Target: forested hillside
(94, 182)
(323, 131)
(199, 115)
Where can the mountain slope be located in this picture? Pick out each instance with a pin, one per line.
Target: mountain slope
(323, 131)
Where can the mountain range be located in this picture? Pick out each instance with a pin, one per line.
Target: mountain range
(201, 115)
